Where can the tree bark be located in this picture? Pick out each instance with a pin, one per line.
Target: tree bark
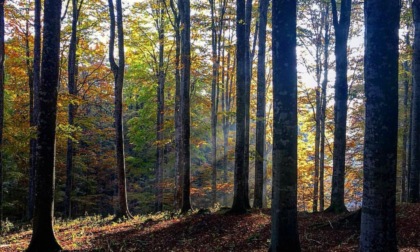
(160, 109)
(35, 106)
(381, 128)
(260, 127)
(341, 27)
(184, 12)
(118, 71)
(248, 77)
(43, 238)
(239, 200)
(324, 108)
(284, 230)
(413, 183)
(72, 87)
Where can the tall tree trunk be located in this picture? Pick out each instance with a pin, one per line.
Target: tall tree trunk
(248, 76)
(2, 56)
(260, 127)
(284, 231)
(406, 128)
(178, 172)
(184, 12)
(215, 70)
(35, 106)
(341, 27)
(239, 200)
(324, 108)
(118, 71)
(43, 238)
(71, 83)
(381, 128)
(413, 183)
(160, 109)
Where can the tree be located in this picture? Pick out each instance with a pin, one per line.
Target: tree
(260, 130)
(414, 181)
(341, 27)
(35, 104)
(2, 56)
(239, 198)
(381, 127)
(72, 87)
(118, 71)
(160, 107)
(184, 162)
(43, 238)
(284, 230)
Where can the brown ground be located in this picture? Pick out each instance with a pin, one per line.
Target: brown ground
(215, 232)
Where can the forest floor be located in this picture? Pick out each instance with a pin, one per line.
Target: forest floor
(207, 231)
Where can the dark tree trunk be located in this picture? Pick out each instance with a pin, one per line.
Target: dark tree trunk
(72, 86)
(184, 12)
(260, 127)
(215, 72)
(2, 56)
(341, 27)
(178, 172)
(160, 110)
(381, 130)
(248, 76)
(35, 106)
(239, 200)
(118, 71)
(406, 128)
(43, 238)
(324, 108)
(413, 183)
(284, 231)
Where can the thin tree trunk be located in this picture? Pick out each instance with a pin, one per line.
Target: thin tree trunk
(239, 200)
(324, 108)
(341, 27)
(118, 71)
(184, 11)
(406, 128)
(43, 238)
(260, 128)
(160, 110)
(35, 105)
(215, 69)
(72, 83)
(248, 76)
(284, 228)
(413, 183)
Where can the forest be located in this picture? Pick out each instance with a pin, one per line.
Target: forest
(209, 125)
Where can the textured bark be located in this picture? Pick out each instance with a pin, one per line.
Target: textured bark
(413, 183)
(118, 71)
(260, 127)
(178, 172)
(341, 27)
(248, 76)
(43, 238)
(406, 127)
(324, 108)
(381, 130)
(35, 105)
(71, 84)
(160, 109)
(2, 56)
(184, 12)
(284, 231)
(239, 200)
